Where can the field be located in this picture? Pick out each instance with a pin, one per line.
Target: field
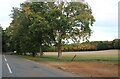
(108, 55)
(90, 63)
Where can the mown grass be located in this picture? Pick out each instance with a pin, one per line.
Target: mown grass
(78, 58)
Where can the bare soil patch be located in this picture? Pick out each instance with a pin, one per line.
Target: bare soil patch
(89, 69)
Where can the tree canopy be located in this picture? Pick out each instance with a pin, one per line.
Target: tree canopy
(39, 24)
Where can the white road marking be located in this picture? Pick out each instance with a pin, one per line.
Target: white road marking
(10, 71)
(4, 56)
(9, 68)
(5, 59)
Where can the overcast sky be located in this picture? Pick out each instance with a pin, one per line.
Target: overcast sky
(104, 11)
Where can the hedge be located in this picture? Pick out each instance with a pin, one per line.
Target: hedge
(88, 46)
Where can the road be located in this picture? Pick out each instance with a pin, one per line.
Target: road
(14, 66)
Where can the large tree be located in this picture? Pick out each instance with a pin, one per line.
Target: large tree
(30, 28)
(39, 29)
(70, 21)
(35, 25)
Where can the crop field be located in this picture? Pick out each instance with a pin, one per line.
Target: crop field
(107, 55)
(86, 56)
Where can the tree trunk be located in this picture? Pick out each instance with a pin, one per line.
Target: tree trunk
(41, 52)
(59, 48)
(25, 54)
(33, 54)
(59, 52)
(40, 43)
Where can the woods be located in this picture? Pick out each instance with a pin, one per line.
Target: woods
(38, 25)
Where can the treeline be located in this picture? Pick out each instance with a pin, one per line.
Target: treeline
(36, 26)
(89, 46)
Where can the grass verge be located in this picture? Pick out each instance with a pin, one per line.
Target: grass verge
(79, 58)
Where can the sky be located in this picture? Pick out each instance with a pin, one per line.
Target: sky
(105, 13)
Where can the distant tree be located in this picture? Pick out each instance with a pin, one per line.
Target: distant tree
(116, 43)
(1, 38)
(5, 41)
(1, 31)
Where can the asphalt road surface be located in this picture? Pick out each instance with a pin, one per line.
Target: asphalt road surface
(14, 66)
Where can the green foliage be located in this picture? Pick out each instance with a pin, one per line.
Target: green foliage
(116, 43)
(90, 46)
(1, 31)
(29, 30)
(50, 49)
(37, 26)
(5, 42)
(79, 47)
(102, 46)
(72, 21)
